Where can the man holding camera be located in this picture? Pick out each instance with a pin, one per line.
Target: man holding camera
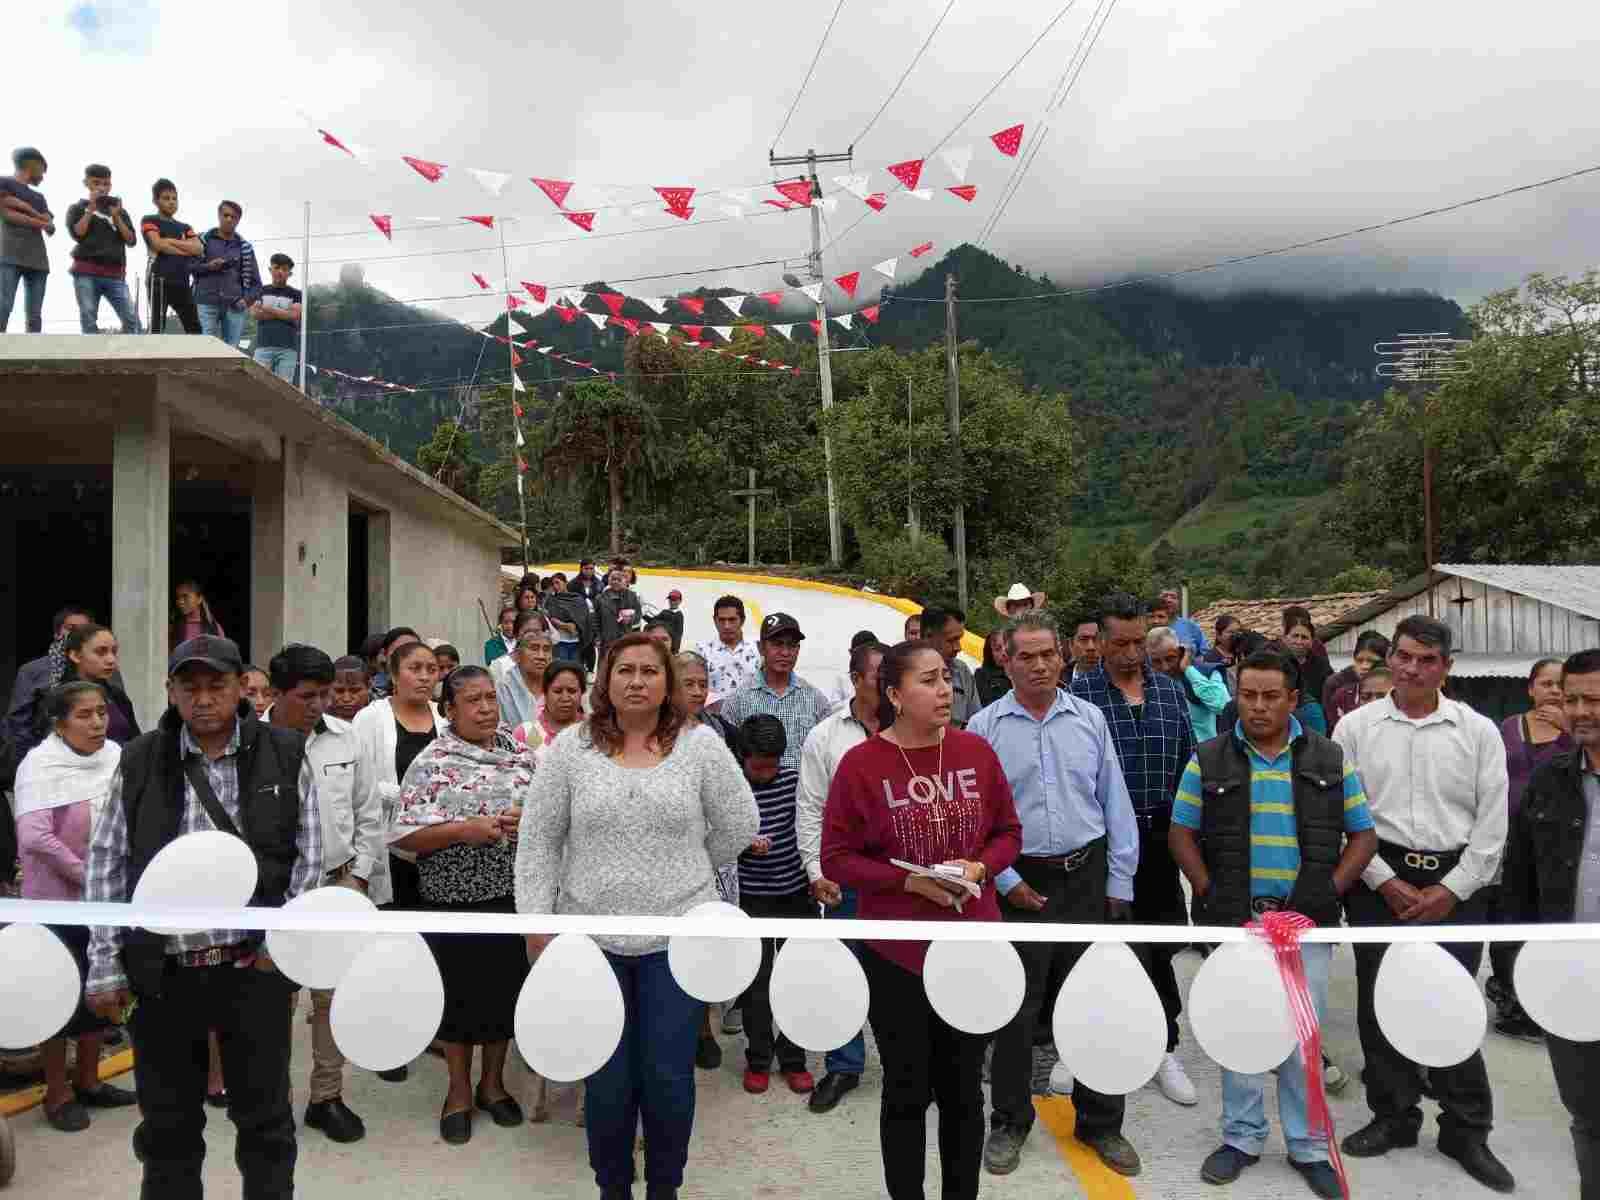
(102, 233)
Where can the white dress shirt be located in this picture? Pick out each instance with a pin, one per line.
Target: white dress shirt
(1437, 783)
(825, 745)
(348, 799)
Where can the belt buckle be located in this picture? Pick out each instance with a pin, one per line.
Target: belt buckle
(1265, 904)
(1422, 862)
(1071, 862)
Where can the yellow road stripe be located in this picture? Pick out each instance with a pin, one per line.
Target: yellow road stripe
(20, 1102)
(1099, 1182)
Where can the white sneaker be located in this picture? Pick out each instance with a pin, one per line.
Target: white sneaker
(1061, 1079)
(1175, 1083)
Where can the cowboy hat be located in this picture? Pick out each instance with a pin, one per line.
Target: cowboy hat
(1018, 594)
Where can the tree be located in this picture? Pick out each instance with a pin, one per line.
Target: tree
(1517, 438)
(599, 428)
(448, 457)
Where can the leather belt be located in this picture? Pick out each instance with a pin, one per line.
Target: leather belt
(1265, 904)
(1428, 862)
(213, 956)
(1062, 862)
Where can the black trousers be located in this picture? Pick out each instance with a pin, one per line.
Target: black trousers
(756, 1002)
(249, 1010)
(1071, 898)
(924, 1061)
(165, 293)
(1158, 900)
(1502, 955)
(1394, 1082)
(1577, 1070)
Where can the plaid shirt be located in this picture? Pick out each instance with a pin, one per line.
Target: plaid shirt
(106, 872)
(1153, 748)
(801, 708)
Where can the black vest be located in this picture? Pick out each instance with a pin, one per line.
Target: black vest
(153, 799)
(1318, 782)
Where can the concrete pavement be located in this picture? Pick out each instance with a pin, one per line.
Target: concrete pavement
(771, 1146)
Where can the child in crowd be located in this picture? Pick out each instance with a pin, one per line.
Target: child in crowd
(351, 689)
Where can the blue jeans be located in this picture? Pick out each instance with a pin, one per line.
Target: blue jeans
(650, 1075)
(222, 321)
(850, 1058)
(90, 289)
(1244, 1110)
(32, 292)
(281, 361)
(567, 651)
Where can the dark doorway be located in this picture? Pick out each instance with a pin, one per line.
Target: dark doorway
(211, 546)
(358, 568)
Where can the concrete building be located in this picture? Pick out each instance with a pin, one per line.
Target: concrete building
(133, 463)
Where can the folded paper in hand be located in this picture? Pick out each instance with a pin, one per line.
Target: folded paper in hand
(945, 873)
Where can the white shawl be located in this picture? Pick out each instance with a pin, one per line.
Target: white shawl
(54, 774)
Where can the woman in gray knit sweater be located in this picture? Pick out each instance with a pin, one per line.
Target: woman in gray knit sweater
(631, 813)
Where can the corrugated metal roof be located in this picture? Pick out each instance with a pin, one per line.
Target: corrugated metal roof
(1266, 616)
(1474, 666)
(1572, 587)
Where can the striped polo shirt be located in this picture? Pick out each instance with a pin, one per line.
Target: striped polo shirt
(779, 871)
(1274, 840)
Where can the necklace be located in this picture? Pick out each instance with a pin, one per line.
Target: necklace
(922, 789)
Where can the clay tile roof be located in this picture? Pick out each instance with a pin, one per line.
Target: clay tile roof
(1266, 616)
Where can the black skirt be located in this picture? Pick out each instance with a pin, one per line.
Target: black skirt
(76, 939)
(483, 975)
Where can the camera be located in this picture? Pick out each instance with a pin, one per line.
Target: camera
(106, 203)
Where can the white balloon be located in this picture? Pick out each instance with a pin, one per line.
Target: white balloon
(1239, 1010)
(569, 1013)
(1558, 984)
(1427, 1005)
(975, 987)
(320, 960)
(389, 1003)
(39, 985)
(205, 869)
(1109, 1025)
(713, 969)
(819, 993)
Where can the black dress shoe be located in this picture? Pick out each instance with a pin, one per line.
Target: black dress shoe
(456, 1128)
(335, 1120)
(107, 1095)
(826, 1095)
(707, 1054)
(619, 1191)
(1478, 1160)
(507, 1113)
(70, 1117)
(394, 1074)
(1377, 1138)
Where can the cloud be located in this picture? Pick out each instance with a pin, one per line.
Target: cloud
(114, 29)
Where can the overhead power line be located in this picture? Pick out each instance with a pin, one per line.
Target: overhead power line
(777, 137)
(906, 74)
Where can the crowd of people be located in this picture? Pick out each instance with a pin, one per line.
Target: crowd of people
(210, 281)
(1094, 765)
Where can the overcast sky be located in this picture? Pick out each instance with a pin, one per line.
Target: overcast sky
(1198, 129)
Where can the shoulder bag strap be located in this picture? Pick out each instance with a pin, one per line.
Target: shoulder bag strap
(195, 769)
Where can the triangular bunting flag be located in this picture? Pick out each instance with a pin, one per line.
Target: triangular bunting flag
(653, 303)
(599, 319)
(547, 349)
(845, 319)
(958, 159)
(856, 185)
(574, 296)
(887, 267)
(871, 314)
(661, 327)
(759, 331)
(431, 171)
(385, 224)
(480, 281)
(521, 441)
(691, 331)
(814, 291)
(517, 408)
(521, 465)
(513, 303)
(627, 323)
(612, 301)
(683, 214)
(335, 142)
(519, 485)
(919, 251)
(735, 303)
(772, 298)
(676, 197)
(816, 326)
(556, 189)
(725, 330)
(583, 220)
(877, 202)
(493, 182)
(516, 359)
(967, 191)
(537, 290)
(486, 222)
(796, 190)
(1008, 141)
(920, 193)
(783, 330)
(907, 172)
(785, 205)
(694, 304)
(567, 313)
(847, 283)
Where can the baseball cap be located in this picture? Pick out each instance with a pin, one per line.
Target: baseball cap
(674, 594)
(218, 653)
(23, 154)
(778, 624)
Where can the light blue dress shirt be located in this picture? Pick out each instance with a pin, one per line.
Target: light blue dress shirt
(1067, 784)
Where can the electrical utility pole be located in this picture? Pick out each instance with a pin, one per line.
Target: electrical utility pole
(952, 404)
(750, 493)
(824, 371)
(1423, 358)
